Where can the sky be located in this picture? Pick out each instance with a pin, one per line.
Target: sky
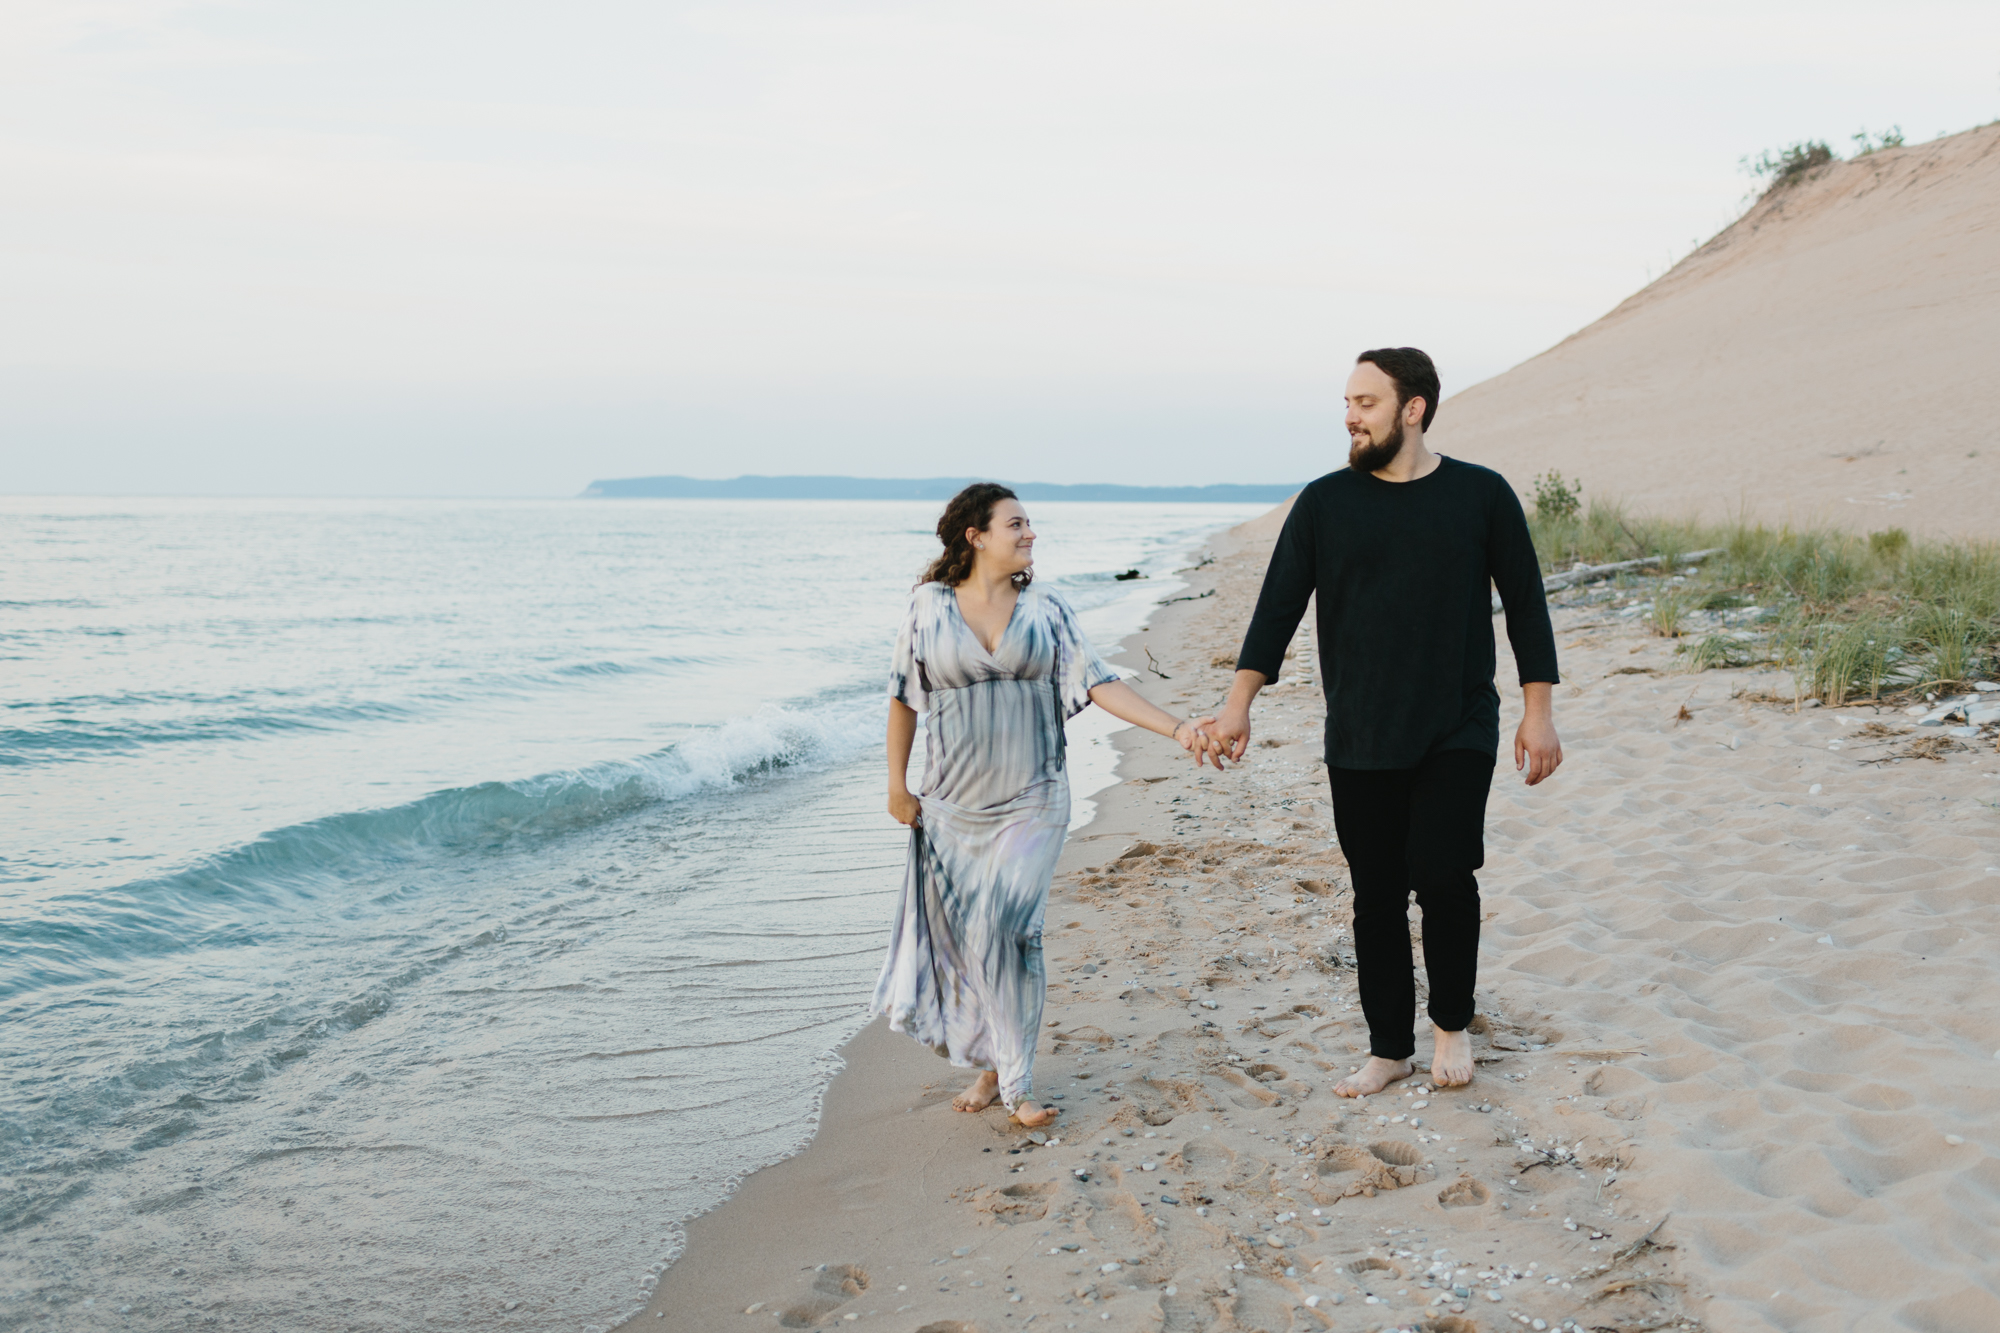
(276, 247)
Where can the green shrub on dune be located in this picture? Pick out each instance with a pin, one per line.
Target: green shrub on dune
(1852, 616)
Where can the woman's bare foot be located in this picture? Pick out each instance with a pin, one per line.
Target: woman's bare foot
(980, 1095)
(1033, 1115)
(1451, 1064)
(1374, 1076)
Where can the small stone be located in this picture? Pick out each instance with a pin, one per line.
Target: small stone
(1312, 1302)
(1108, 1268)
(1813, 790)
(961, 1252)
(1826, 939)
(1172, 1290)
(748, 1309)
(1275, 1242)
(1540, 1324)
(1954, 1139)
(1493, 1293)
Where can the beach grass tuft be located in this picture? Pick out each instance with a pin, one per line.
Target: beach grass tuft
(1853, 616)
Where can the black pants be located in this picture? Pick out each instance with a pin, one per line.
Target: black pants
(1414, 830)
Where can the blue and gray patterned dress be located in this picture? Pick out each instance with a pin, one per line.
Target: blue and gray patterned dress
(964, 973)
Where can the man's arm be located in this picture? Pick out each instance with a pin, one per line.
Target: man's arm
(1517, 574)
(1288, 586)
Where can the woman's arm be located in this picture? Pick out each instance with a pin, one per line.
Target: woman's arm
(1128, 705)
(903, 807)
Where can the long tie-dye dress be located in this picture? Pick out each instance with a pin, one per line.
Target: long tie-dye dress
(964, 973)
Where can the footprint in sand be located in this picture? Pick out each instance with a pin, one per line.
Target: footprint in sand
(1266, 1306)
(834, 1287)
(1120, 1225)
(1243, 1091)
(1186, 1313)
(1209, 1160)
(1022, 1203)
(1371, 1266)
(1397, 1154)
(1465, 1193)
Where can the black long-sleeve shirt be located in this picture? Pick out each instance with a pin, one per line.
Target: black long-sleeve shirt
(1405, 617)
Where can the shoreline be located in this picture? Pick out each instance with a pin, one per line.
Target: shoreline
(1716, 1088)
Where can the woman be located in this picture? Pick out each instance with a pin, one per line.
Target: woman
(999, 665)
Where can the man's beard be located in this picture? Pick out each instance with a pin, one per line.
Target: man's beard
(1378, 455)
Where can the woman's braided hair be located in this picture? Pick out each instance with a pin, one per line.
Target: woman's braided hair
(970, 508)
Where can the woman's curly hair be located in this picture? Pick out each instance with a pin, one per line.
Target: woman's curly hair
(970, 508)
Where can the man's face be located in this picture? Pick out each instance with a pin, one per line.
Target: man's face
(1374, 419)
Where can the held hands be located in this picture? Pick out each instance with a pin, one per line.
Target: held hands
(1230, 732)
(1194, 737)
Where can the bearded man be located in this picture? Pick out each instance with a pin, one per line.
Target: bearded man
(1401, 548)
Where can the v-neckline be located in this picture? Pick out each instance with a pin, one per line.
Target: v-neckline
(1012, 611)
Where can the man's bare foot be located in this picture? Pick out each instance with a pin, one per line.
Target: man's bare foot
(1374, 1076)
(1033, 1115)
(1451, 1064)
(980, 1095)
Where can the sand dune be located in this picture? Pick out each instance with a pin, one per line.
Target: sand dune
(1833, 356)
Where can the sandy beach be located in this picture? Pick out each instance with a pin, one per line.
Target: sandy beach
(1736, 1064)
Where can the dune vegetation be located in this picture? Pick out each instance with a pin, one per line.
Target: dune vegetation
(1852, 616)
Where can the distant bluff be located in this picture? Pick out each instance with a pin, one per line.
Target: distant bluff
(1833, 356)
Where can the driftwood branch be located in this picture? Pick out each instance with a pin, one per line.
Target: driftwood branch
(1572, 578)
(1575, 578)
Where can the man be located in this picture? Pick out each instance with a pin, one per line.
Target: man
(1399, 547)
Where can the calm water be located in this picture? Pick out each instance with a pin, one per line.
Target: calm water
(410, 912)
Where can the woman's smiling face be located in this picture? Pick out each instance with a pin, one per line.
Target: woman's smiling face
(1007, 546)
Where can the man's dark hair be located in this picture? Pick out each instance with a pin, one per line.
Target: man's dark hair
(1414, 374)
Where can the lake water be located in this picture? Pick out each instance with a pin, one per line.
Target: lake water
(412, 911)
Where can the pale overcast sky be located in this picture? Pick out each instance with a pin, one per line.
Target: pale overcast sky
(359, 247)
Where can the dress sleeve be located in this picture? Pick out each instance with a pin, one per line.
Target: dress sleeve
(907, 680)
(1079, 669)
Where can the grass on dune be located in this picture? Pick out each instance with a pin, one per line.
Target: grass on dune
(1851, 615)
